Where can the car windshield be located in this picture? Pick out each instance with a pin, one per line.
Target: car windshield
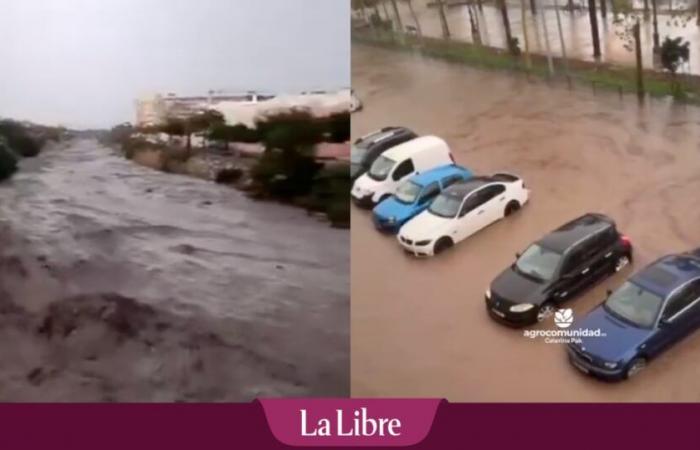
(634, 304)
(538, 262)
(357, 153)
(381, 167)
(445, 205)
(408, 191)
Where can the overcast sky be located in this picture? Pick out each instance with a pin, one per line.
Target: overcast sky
(82, 63)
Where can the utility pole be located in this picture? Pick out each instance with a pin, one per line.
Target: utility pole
(638, 52)
(561, 38)
(656, 26)
(528, 62)
(506, 26)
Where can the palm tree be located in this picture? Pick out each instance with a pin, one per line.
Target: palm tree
(506, 25)
(443, 19)
(528, 63)
(399, 24)
(415, 17)
(594, 28)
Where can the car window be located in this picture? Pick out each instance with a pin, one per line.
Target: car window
(684, 297)
(430, 192)
(574, 260)
(490, 192)
(450, 180)
(403, 169)
(472, 202)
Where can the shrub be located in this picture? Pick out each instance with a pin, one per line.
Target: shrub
(285, 174)
(229, 175)
(331, 194)
(19, 139)
(8, 161)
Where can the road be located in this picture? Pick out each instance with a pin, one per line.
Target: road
(126, 284)
(419, 327)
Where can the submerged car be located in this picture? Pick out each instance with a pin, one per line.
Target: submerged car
(398, 164)
(415, 195)
(556, 268)
(462, 210)
(366, 149)
(654, 309)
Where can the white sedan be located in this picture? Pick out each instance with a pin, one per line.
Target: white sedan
(460, 211)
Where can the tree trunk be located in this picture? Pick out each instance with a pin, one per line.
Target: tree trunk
(443, 19)
(526, 41)
(368, 18)
(561, 38)
(474, 22)
(386, 11)
(697, 20)
(603, 9)
(571, 6)
(638, 54)
(533, 7)
(399, 24)
(506, 26)
(594, 28)
(481, 5)
(550, 65)
(656, 26)
(415, 18)
(646, 9)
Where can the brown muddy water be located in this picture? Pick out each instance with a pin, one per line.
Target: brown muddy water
(120, 283)
(419, 327)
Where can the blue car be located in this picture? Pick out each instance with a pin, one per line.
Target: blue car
(414, 196)
(650, 312)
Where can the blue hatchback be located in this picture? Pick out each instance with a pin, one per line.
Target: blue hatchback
(650, 312)
(414, 195)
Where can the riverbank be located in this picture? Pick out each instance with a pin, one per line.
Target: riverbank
(616, 78)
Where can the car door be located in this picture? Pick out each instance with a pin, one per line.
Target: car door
(494, 202)
(403, 170)
(575, 273)
(679, 317)
(471, 217)
(427, 195)
(594, 256)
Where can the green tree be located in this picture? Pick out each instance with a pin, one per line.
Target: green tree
(8, 161)
(674, 53)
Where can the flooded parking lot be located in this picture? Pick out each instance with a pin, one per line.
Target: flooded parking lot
(419, 327)
(120, 283)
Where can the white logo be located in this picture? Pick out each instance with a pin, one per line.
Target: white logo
(563, 318)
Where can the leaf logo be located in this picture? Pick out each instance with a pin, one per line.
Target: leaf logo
(563, 318)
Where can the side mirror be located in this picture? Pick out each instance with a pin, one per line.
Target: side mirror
(608, 293)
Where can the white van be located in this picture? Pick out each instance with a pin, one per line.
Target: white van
(398, 163)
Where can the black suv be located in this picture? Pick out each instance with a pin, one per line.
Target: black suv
(367, 148)
(556, 268)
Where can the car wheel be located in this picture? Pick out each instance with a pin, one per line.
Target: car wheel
(546, 310)
(442, 244)
(511, 207)
(622, 262)
(634, 367)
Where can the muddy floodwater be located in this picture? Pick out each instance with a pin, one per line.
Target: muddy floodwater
(419, 327)
(122, 283)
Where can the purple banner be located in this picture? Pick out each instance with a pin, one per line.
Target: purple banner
(276, 424)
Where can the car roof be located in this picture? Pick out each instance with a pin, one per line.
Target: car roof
(464, 188)
(415, 145)
(437, 173)
(380, 135)
(667, 273)
(570, 233)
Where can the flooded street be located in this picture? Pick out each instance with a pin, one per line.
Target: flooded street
(123, 283)
(419, 327)
(576, 29)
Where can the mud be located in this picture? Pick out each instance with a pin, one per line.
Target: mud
(120, 283)
(419, 327)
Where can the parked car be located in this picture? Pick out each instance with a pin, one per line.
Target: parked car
(650, 312)
(398, 164)
(414, 195)
(557, 268)
(462, 210)
(367, 148)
